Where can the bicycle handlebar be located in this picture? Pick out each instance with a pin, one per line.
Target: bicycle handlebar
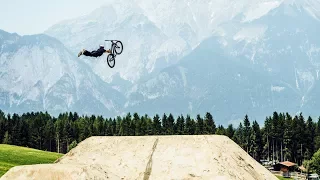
(111, 40)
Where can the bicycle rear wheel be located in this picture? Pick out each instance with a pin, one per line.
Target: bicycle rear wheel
(111, 60)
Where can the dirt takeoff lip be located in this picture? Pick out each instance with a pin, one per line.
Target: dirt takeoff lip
(150, 157)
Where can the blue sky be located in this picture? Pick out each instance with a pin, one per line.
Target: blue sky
(35, 16)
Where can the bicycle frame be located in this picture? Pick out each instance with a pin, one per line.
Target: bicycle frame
(112, 41)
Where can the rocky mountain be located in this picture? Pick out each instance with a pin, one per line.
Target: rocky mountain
(38, 73)
(253, 65)
(210, 80)
(228, 57)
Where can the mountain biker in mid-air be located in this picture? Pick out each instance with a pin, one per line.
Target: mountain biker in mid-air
(99, 52)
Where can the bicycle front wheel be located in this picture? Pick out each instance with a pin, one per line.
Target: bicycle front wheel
(119, 47)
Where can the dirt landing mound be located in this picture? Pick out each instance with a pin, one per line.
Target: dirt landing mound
(150, 157)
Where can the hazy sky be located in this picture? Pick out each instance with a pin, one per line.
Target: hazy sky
(35, 16)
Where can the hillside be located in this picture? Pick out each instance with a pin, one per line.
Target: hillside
(151, 157)
(11, 156)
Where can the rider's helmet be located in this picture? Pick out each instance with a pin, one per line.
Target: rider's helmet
(101, 46)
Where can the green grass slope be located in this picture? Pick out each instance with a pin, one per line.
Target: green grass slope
(282, 178)
(11, 156)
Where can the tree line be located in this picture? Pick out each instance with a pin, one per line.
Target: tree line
(282, 137)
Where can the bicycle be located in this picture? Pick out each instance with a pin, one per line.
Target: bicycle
(115, 45)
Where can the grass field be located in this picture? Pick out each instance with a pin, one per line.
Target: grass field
(282, 178)
(11, 156)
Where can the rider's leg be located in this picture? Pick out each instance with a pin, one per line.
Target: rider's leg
(88, 53)
(85, 52)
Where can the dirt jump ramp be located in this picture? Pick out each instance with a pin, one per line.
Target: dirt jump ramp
(149, 157)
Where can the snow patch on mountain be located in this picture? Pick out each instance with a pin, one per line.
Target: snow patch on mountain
(183, 72)
(260, 9)
(251, 33)
(277, 88)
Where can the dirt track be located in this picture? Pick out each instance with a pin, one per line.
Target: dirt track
(150, 157)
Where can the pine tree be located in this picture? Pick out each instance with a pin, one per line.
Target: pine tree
(83, 128)
(135, 127)
(230, 131)
(143, 125)
(310, 137)
(164, 124)
(188, 126)
(256, 141)
(301, 138)
(67, 136)
(95, 129)
(9, 129)
(75, 129)
(100, 126)
(247, 131)
(267, 137)
(199, 125)
(24, 129)
(317, 138)
(295, 139)
(108, 127)
(118, 126)
(176, 127)
(38, 131)
(182, 126)
(280, 130)
(75, 117)
(2, 125)
(317, 130)
(171, 124)
(15, 133)
(179, 128)
(126, 125)
(156, 125)
(209, 125)
(220, 130)
(239, 137)
(49, 134)
(193, 127)
(287, 142)
(149, 126)
(59, 135)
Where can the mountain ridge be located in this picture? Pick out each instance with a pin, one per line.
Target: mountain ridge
(39, 73)
(252, 60)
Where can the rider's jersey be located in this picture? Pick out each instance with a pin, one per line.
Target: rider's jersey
(100, 51)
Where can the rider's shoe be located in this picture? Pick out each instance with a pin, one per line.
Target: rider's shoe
(81, 52)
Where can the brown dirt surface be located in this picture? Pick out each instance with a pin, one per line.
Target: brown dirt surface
(150, 157)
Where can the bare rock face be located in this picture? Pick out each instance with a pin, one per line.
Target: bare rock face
(150, 157)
